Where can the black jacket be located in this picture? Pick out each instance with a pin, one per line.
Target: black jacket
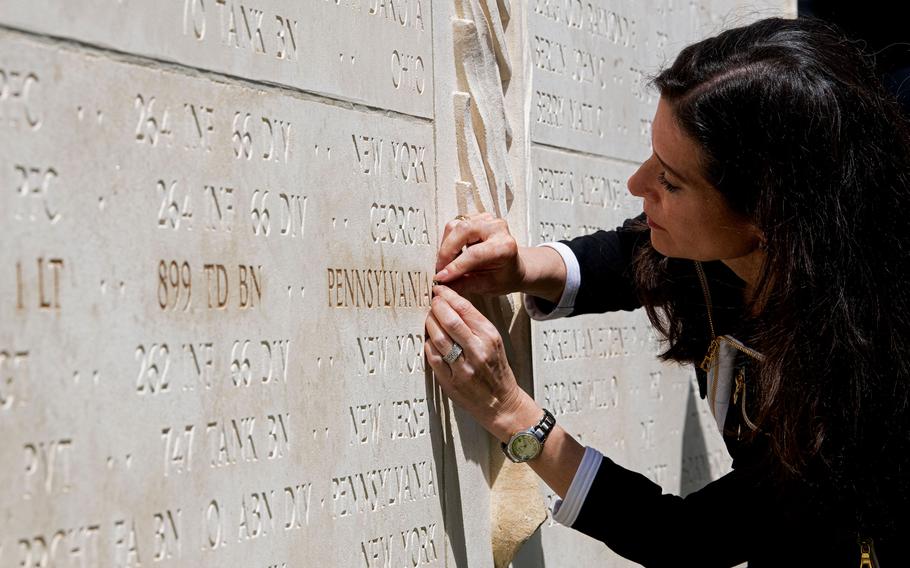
(744, 515)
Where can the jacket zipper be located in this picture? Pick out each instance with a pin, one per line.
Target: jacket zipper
(711, 355)
(867, 558)
(740, 382)
(741, 388)
(740, 347)
(712, 360)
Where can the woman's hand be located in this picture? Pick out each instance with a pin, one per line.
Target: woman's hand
(490, 264)
(480, 379)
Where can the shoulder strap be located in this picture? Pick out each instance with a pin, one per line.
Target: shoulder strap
(707, 292)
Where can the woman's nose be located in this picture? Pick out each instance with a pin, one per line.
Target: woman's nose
(643, 183)
(636, 184)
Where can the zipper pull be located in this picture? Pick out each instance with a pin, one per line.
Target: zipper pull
(711, 355)
(866, 553)
(740, 383)
(742, 404)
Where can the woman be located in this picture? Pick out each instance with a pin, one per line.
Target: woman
(772, 253)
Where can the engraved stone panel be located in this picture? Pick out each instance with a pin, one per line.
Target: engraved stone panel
(375, 52)
(213, 321)
(591, 62)
(584, 58)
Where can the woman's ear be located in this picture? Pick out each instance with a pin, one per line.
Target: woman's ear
(759, 236)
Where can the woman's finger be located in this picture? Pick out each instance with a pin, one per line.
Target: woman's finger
(437, 336)
(455, 328)
(447, 230)
(472, 259)
(461, 234)
(464, 219)
(477, 283)
(442, 371)
(443, 342)
(465, 312)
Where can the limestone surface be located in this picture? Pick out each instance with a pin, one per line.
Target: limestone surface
(220, 220)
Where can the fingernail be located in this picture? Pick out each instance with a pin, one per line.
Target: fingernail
(442, 274)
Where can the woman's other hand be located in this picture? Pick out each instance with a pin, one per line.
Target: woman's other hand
(480, 379)
(479, 255)
(490, 264)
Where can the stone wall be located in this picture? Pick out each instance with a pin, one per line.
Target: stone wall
(220, 220)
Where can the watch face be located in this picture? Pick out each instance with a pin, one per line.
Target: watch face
(525, 446)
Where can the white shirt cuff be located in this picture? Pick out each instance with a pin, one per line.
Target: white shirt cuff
(565, 511)
(573, 281)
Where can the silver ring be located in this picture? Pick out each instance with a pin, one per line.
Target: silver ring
(454, 353)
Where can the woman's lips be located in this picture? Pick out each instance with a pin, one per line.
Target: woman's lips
(654, 225)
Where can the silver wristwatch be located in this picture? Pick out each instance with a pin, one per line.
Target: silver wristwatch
(527, 444)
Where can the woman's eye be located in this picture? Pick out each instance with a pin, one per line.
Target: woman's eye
(662, 178)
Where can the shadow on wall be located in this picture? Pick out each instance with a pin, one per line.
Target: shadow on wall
(531, 554)
(695, 469)
(450, 489)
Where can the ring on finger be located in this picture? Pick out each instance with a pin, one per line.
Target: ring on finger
(453, 354)
(461, 217)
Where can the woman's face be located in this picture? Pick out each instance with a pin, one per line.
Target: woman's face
(689, 218)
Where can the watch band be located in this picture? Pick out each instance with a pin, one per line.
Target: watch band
(545, 426)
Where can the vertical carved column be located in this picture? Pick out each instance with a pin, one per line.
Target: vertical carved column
(484, 136)
(483, 133)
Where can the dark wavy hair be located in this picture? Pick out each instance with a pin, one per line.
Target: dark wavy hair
(798, 134)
